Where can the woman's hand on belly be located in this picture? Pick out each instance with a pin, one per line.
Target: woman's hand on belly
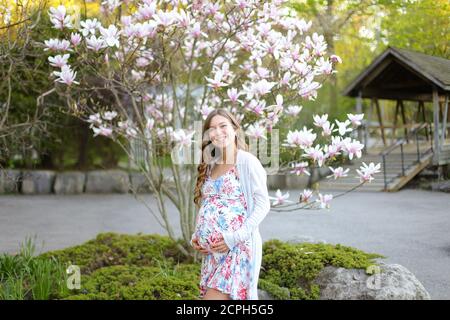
(197, 247)
(220, 246)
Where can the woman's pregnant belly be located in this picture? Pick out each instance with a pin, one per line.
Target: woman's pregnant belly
(214, 220)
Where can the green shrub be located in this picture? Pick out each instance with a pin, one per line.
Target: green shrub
(110, 249)
(139, 283)
(295, 266)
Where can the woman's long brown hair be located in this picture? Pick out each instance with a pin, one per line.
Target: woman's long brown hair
(203, 166)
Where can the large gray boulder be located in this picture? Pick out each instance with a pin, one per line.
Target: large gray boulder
(9, 181)
(383, 282)
(70, 182)
(388, 282)
(37, 181)
(107, 181)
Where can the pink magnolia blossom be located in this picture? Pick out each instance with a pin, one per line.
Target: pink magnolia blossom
(256, 131)
(286, 78)
(146, 11)
(182, 138)
(324, 200)
(331, 151)
(300, 168)
(59, 60)
(233, 95)
(316, 154)
(303, 138)
(259, 88)
(66, 75)
(334, 58)
(327, 129)
(196, 31)
(102, 131)
(293, 110)
(57, 45)
(205, 111)
(109, 115)
(94, 120)
(217, 82)
(353, 148)
(59, 18)
(95, 43)
(306, 195)
(75, 39)
(165, 18)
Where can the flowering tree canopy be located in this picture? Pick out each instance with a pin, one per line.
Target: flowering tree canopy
(149, 69)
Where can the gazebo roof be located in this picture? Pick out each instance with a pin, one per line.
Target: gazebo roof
(402, 74)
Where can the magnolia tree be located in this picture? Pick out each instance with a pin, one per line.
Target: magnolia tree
(149, 72)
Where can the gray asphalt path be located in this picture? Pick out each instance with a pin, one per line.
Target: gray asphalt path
(411, 227)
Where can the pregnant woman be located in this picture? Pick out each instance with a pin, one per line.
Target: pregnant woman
(231, 194)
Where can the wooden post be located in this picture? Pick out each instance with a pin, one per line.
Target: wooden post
(359, 111)
(436, 124)
(402, 108)
(395, 121)
(444, 121)
(380, 120)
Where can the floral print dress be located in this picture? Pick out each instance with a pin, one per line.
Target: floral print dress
(223, 208)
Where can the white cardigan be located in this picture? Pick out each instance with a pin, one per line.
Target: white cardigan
(253, 179)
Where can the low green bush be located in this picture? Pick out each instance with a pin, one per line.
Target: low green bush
(110, 249)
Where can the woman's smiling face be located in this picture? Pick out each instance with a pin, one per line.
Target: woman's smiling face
(221, 131)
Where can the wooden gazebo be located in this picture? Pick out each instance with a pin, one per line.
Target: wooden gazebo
(404, 75)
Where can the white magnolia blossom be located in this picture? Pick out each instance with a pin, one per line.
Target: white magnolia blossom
(59, 60)
(59, 18)
(57, 45)
(300, 168)
(338, 172)
(293, 110)
(280, 198)
(90, 27)
(353, 147)
(366, 172)
(342, 127)
(316, 154)
(102, 131)
(66, 75)
(109, 115)
(256, 131)
(355, 119)
(319, 121)
(182, 138)
(303, 138)
(324, 200)
(111, 36)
